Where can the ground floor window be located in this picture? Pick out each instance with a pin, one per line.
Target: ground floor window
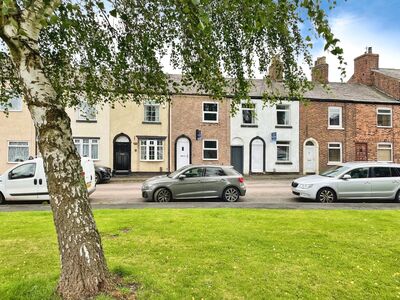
(151, 150)
(334, 152)
(17, 151)
(283, 151)
(210, 149)
(87, 147)
(385, 152)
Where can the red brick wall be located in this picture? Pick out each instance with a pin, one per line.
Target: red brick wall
(388, 85)
(187, 116)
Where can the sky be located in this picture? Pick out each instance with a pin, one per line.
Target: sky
(357, 24)
(364, 23)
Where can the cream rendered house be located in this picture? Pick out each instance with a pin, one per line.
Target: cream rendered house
(139, 137)
(17, 135)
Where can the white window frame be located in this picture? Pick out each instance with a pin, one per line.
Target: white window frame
(81, 116)
(147, 147)
(3, 106)
(210, 112)
(330, 109)
(386, 114)
(80, 149)
(217, 149)
(283, 144)
(8, 149)
(341, 153)
(287, 110)
(391, 151)
(254, 110)
(152, 104)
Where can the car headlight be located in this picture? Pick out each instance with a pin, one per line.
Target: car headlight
(305, 186)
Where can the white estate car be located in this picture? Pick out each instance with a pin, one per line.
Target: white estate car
(27, 180)
(351, 181)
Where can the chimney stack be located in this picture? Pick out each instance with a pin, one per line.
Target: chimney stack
(320, 71)
(363, 66)
(275, 71)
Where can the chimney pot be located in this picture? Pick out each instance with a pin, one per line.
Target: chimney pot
(369, 50)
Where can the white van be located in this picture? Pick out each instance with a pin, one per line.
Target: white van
(27, 180)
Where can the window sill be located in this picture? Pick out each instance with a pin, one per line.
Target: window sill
(283, 126)
(153, 123)
(388, 127)
(86, 121)
(249, 125)
(210, 122)
(210, 158)
(283, 163)
(336, 128)
(333, 163)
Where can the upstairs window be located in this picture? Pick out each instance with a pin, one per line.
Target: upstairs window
(283, 115)
(248, 113)
(384, 117)
(151, 112)
(210, 112)
(87, 112)
(87, 147)
(14, 104)
(335, 117)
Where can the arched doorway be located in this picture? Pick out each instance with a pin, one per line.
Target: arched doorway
(310, 156)
(122, 153)
(257, 155)
(183, 152)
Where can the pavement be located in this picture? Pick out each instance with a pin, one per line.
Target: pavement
(262, 193)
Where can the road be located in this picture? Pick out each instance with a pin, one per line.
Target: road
(260, 194)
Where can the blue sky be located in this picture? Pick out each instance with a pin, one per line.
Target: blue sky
(362, 23)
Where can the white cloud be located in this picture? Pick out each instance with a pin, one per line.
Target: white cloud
(357, 33)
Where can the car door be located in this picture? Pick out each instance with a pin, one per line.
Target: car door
(383, 184)
(358, 186)
(214, 181)
(41, 180)
(21, 183)
(190, 186)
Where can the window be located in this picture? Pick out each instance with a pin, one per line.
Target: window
(210, 112)
(385, 152)
(14, 104)
(334, 153)
(87, 112)
(283, 115)
(18, 151)
(384, 117)
(335, 117)
(358, 173)
(151, 150)
(194, 172)
(214, 172)
(210, 150)
(380, 172)
(151, 112)
(87, 147)
(248, 113)
(283, 151)
(24, 171)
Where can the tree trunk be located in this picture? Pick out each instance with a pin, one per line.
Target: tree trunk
(84, 271)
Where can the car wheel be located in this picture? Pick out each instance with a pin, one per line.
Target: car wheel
(326, 195)
(2, 199)
(231, 194)
(162, 195)
(397, 198)
(98, 178)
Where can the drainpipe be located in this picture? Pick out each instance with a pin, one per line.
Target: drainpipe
(169, 136)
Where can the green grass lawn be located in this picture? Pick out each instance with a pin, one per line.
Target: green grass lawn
(218, 253)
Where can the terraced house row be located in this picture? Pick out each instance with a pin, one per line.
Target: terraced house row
(354, 121)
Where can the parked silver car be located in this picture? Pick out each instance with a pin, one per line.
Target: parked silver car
(196, 182)
(351, 181)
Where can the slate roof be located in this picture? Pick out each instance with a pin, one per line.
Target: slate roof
(395, 73)
(347, 92)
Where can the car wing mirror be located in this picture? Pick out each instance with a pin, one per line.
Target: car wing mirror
(181, 177)
(346, 176)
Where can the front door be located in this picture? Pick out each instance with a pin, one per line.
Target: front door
(122, 156)
(237, 158)
(310, 158)
(257, 156)
(361, 151)
(182, 152)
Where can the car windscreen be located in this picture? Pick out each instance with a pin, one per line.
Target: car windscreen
(335, 171)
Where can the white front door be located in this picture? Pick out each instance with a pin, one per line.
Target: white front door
(182, 152)
(310, 163)
(257, 156)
